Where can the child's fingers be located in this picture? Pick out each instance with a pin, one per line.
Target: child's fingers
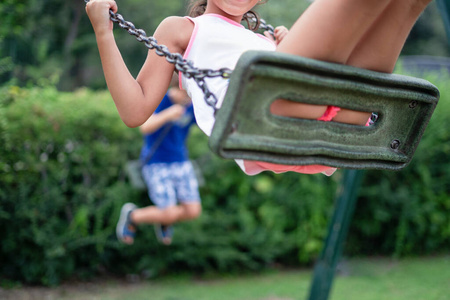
(101, 4)
(281, 28)
(269, 36)
(98, 12)
(113, 6)
(280, 33)
(281, 36)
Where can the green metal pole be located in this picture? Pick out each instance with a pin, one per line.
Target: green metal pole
(444, 9)
(325, 267)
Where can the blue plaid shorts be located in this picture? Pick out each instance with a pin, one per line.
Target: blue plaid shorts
(169, 183)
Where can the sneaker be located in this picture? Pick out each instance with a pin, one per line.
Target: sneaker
(125, 229)
(164, 233)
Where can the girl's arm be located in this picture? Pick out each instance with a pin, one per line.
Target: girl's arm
(158, 120)
(136, 99)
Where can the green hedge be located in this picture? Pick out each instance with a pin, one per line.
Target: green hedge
(61, 180)
(408, 212)
(62, 186)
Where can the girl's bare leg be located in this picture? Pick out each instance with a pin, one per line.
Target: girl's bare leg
(367, 34)
(380, 47)
(329, 30)
(370, 37)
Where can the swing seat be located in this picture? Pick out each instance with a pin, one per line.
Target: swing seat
(246, 129)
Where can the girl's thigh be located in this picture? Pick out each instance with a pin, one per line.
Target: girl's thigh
(330, 30)
(352, 117)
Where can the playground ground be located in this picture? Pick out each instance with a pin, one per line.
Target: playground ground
(426, 278)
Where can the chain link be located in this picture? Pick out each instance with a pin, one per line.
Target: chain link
(262, 23)
(182, 65)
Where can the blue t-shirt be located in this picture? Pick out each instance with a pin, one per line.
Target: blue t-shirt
(171, 137)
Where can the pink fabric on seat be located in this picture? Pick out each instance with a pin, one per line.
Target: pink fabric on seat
(255, 167)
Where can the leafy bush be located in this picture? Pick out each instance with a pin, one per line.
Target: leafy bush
(407, 212)
(62, 186)
(60, 169)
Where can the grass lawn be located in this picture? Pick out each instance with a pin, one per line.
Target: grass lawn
(360, 279)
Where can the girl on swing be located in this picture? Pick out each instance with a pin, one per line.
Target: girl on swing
(367, 34)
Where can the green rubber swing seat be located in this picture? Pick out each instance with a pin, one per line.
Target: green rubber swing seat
(246, 129)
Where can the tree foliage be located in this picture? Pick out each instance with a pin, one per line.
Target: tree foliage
(50, 40)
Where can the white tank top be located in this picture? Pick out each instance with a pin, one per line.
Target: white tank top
(217, 42)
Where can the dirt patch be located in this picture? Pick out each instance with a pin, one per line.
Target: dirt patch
(73, 290)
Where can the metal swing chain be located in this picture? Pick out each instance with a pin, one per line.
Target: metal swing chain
(182, 65)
